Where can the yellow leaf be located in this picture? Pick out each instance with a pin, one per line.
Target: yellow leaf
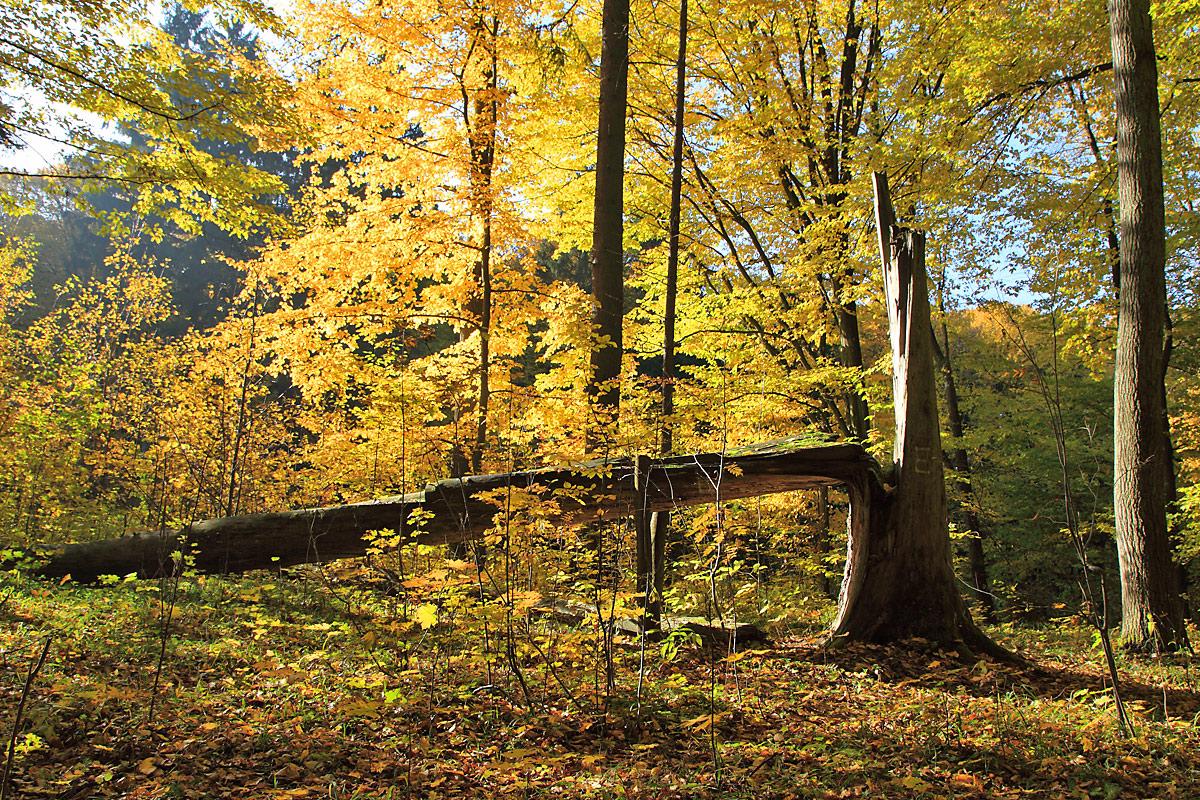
(426, 615)
(915, 783)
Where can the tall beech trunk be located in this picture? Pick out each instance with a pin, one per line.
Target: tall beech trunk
(899, 580)
(480, 113)
(483, 160)
(1151, 603)
(607, 262)
(655, 548)
(848, 116)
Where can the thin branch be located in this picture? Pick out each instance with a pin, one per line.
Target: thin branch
(1040, 85)
(158, 112)
(76, 176)
(12, 739)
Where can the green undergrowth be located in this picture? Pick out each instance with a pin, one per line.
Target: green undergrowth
(318, 684)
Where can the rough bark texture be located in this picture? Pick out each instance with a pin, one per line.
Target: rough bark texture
(483, 160)
(455, 510)
(899, 580)
(607, 263)
(1151, 603)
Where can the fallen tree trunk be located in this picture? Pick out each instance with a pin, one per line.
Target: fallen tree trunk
(458, 510)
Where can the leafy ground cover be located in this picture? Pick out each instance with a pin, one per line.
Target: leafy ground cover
(306, 686)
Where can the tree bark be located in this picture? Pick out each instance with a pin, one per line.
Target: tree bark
(847, 120)
(607, 261)
(483, 160)
(456, 510)
(1151, 603)
(659, 525)
(899, 580)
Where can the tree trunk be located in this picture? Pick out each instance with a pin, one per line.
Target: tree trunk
(846, 122)
(483, 160)
(960, 462)
(899, 580)
(458, 510)
(659, 525)
(481, 114)
(481, 134)
(607, 262)
(1151, 604)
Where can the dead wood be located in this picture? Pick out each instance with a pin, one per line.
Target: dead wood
(461, 509)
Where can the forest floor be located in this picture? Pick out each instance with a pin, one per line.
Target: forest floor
(299, 687)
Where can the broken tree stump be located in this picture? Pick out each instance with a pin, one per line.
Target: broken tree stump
(899, 581)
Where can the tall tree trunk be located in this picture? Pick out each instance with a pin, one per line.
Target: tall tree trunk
(846, 121)
(480, 112)
(1151, 604)
(660, 523)
(666, 431)
(483, 160)
(899, 580)
(607, 262)
(960, 462)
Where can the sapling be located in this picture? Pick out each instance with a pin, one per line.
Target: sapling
(1095, 609)
(20, 715)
